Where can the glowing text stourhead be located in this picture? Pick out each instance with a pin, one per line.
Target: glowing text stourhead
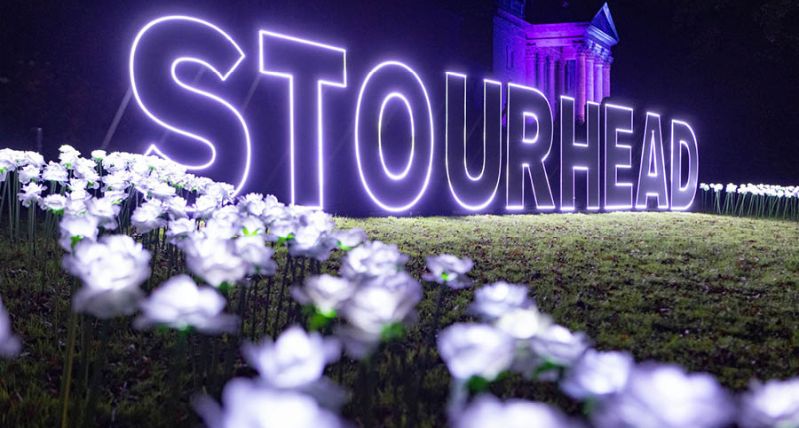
(517, 129)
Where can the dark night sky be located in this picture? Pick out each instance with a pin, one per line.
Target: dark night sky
(728, 67)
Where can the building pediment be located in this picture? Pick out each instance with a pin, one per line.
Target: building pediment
(602, 27)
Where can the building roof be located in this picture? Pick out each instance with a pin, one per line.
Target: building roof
(554, 11)
(597, 13)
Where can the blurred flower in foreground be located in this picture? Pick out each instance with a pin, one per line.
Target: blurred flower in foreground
(597, 374)
(295, 360)
(214, 260)
(492, 301)
(774, 404)
(449, 270)
(9, 343)
(349, 239)
(252, 404)
(665, 396)
(487, 411)
(111, 271)
(558, 345)
(372, 259)
(31, 193)
(181, 305)
(75, 228)
(378, 311)
(475, 350)
(326, 293)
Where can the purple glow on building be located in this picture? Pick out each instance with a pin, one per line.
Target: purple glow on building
(569, 58)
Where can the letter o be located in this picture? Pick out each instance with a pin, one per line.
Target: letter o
(392, 191)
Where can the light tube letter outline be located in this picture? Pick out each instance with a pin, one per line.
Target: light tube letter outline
(329, 70)
(652, 172)
(376, 91)
(618, 120)
(229, 64)
(578, 156)
(476, 192)
(682, 135)
(528, 154)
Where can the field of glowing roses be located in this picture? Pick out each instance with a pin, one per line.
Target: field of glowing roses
(151, 297)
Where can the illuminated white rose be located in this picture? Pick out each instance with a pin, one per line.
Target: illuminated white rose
(180, 229)
(281, 223)
(221, 228)
(204, 206)
(105, 210)
(523, 323)
(598, 374)
(251, 226)
(9, 343)
(117, 181)
(251, 404)
(273, 209)
(28, 173)
(254, 251)
(179, 303)
(666, 396)
(86, 172)
(214, 260)
(252, 204)
(325, 292)
(295, 360)
(111, 271)
(774, 404)
(311, 235)
(349, 238)
(372, 259)
(558, 345)
(75, 228)
(33, 158)
(383, 301)
(147, 216)
(475, 350)
(55, 203)
(492, 301)
(98, 155)
(487, 411)
(31, 194)
(161, 190)
(448, 269)
(55, 172)
(68, 155)
(176, 207)
(378, 311)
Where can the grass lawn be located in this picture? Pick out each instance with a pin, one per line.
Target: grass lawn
(716, 294)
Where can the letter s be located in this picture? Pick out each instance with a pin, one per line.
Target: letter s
(167, 44)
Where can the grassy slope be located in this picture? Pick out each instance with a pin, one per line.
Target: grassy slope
(712, 293)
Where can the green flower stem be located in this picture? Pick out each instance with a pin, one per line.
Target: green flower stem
(67, 374)
(437, 314)
(268, 294)
(279, 309)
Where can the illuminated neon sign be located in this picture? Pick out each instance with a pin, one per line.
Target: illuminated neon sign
(527, 139)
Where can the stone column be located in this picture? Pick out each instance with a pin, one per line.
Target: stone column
(561, 79)
(606, 77)
(581, 83)
(551, 89)
(540, 73)
(529, 68)
(589, 77)
(598, 82)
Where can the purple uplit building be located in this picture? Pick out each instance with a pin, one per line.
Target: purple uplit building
(559, 58)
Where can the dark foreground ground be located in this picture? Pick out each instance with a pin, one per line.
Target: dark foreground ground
(716, 294)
